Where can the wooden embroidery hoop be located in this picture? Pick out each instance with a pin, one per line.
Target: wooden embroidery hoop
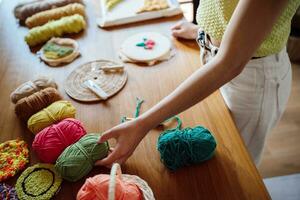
(161, 51)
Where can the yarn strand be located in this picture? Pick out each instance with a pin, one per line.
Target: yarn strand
(139, 103)
(138, 106)
(183, 147)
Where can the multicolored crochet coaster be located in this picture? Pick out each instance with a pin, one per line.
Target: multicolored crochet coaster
(14, 155)
(7, 192)
(39, 182)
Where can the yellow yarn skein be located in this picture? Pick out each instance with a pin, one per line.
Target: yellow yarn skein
(41, 34)
(54, 14)
(54, 113)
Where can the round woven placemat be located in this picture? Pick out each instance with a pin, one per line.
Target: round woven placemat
(110, 82)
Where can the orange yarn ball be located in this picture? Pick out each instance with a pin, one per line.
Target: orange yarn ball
(96, 188)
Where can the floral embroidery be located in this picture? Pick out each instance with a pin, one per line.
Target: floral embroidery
(147, 43)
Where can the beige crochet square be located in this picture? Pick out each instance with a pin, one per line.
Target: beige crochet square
(152, 5)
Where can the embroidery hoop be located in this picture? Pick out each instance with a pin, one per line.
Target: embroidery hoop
(162, 50)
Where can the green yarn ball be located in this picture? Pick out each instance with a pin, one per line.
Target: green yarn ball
(184, 147)
(78, 159)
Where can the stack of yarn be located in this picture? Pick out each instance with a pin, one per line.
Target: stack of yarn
(50, 18)
(58, 136)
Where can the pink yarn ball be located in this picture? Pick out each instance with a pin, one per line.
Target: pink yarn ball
(50, 142)
(96, 188)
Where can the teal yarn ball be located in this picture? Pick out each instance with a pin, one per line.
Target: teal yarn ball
(78, 159)
(179, 148)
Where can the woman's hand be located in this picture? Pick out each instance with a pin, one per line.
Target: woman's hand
(185, 30)
(128, 135)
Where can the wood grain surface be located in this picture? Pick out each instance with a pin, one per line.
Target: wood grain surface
(231, 174)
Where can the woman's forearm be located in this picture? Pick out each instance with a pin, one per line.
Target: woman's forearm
(194, 89)
(255, 18)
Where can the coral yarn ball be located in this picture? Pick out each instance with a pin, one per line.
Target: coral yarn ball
(96, 188)
(52, 141)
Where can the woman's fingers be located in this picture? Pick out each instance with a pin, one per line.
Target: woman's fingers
(111, 158)
(177, 33)
(107, 135)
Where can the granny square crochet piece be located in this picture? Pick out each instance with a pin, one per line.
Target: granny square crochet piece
(14, 155)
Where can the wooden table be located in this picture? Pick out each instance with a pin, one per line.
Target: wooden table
(231, 174)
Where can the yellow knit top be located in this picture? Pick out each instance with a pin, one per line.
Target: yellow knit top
(214, 15)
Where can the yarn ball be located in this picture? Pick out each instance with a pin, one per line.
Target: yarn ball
(30, 105)
(96, 188)
(41, 34)
(38, 182)
(27, 9)
(14, 155)
(78, 159)
(184, 147)
(7, 192)
(54, 113)
(43, 17)
(50, 142)
(30, 87)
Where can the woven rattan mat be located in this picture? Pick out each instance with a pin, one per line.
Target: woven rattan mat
(110, 82)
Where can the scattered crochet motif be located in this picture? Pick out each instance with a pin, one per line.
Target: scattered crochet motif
(7, 192)
(13, 157)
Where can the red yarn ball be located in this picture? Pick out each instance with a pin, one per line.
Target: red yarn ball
(50, 142)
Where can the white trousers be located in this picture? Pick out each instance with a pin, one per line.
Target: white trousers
(257, 97)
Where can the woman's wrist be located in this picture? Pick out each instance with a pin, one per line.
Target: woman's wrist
(144, 123)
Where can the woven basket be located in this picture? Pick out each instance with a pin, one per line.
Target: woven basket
(116, 172)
